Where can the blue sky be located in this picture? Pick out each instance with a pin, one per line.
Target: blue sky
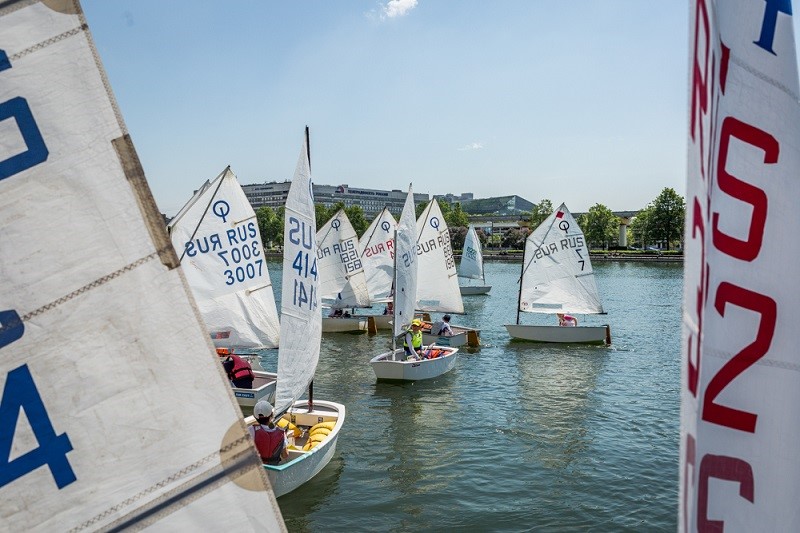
(583, 102)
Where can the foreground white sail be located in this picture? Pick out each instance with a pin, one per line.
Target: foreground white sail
(217, 239)
(342, 282)
(471, 266)
(301, 334)
(392, 365)
(557, 277)
(97, 429)
(740, 381)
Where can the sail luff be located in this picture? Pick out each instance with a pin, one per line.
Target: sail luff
(301, 318)
(407, 264)
(739, 366)
(97, 291)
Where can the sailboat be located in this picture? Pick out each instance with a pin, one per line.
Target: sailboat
(557, 277)
(376, 250)
(342, 282)
(437, 288)
(301, 334)
(99, 427)
(471, 266)
(393, 365)
(218, 242)
(740, 384)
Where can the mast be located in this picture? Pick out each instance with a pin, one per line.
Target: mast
(521, 274)
(394, 298)
(308, 156)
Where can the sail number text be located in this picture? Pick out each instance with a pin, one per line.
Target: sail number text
(304, 265)
(239, 251)
(727, 136)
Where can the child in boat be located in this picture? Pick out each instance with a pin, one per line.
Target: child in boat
(269, 439)
(566, 320)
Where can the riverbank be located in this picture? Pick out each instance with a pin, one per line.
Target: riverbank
(516, 257)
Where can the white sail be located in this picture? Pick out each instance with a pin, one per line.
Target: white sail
(217, 239)
(740, 381)
(437, 288)
(376, 249)
(557, 275)
(98, 430)
(342, 282)
(301, 319)
(407, 264)
(471, 265)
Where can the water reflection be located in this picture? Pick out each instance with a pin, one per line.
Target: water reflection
(554, 392)
(299, 505)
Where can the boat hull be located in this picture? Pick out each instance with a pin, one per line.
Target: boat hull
(386, 368)
(344, 325)
(462, 337)
(301, 465)
(263, 389)
(474, 290)
(560, 334)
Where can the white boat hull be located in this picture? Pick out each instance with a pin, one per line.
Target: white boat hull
(344, 324)
(473, 290)
(301, 466)
(462, 337)
(387, 368)
(263, 389)
(561, 334)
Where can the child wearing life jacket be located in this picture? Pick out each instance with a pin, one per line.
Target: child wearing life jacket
(270, 440)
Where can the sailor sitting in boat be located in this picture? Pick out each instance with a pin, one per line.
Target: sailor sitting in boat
(413, 340)
(566, 320)
(442, 327)
(270, 440)
(239, 371)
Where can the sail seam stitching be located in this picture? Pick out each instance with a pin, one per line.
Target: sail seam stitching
(48, 42)
(760, 75)
(93, 285)
(161, 484)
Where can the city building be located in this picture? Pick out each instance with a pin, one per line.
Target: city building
(372, 201)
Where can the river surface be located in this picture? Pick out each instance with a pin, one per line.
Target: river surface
(519, 436)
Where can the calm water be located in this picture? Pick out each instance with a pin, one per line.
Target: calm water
(518, 436)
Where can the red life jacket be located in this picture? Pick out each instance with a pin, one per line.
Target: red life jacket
(241, 368)
(269, 443)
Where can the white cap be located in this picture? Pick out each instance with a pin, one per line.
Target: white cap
(263, 409)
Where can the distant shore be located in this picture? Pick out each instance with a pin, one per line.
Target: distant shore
(516, 257)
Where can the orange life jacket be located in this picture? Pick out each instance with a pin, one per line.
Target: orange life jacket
(241, 368)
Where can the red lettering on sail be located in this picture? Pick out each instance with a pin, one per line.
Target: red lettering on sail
(749, 249)
(690, 461)
(767, 308)
(727, 469)
(698, 227)
(700, 75)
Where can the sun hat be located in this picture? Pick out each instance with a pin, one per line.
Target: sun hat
(263, 409)
(416, 322)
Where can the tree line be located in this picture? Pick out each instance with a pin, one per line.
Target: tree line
(659, 224)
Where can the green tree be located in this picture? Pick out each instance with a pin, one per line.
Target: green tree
(541, 211)
(667, 217)
(270, 225)
(458, 218)
(639, 229)
(323, 214)
(356, 216)
(420, 208)
(600, 225)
